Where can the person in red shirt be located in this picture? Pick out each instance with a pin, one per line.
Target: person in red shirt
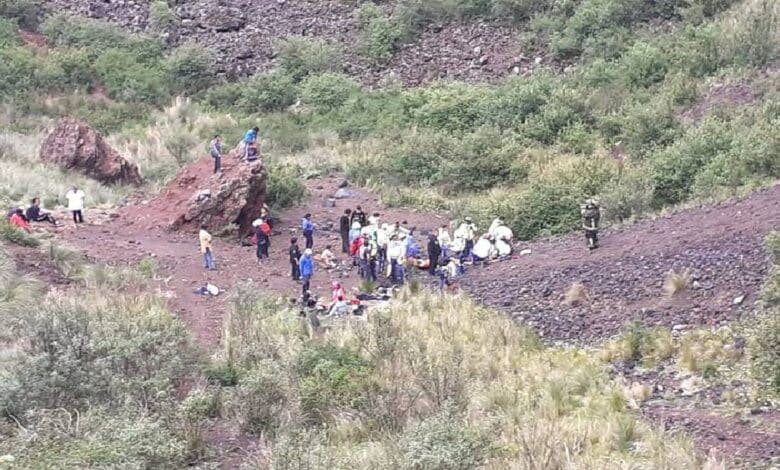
(18, 220)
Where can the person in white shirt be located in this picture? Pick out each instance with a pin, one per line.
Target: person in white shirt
(75, 199)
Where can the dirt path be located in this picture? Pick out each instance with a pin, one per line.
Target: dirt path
(721, 244)
(136, 234)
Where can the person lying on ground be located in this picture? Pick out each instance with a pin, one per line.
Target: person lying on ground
(18, 220)
(35, 214)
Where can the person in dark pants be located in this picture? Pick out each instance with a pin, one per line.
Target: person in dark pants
(434, 251)
(308, 231)
(591, 214)
(75, 199)
(295, 257)
(215, 149)
(306, 266)
(35, 214)
(263, 241)
(344, 225)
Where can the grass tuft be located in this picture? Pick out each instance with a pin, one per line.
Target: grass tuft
(677, 282)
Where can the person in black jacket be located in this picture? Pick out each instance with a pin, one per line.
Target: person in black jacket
(344, 224)
(434, 251)
(295, 256)
(360, 216)
(35, 214)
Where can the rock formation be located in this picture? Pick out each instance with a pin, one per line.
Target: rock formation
(232, 199)
(74, 145)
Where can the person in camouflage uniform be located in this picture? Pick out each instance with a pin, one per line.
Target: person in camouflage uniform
(590, 222)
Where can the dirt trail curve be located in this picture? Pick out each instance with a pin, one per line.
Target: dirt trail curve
(722, 244)
(138, 232)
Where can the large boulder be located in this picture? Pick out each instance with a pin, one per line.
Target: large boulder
(76, 146)
(228, 201)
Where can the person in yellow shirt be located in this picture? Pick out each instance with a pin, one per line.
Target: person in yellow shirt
(205, 249)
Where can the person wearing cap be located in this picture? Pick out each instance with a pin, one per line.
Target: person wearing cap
(590, 222)
(295, 258)
(308, 230)
(306, 266)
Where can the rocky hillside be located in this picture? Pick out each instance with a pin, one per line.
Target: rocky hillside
(243, 33)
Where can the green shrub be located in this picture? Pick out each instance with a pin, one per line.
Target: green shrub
(447, 106)
(260, 401)
(161, 16)
(764, 349)
(16, 235)
(753, 34)
(25, 12)
(643, 128)
(332, 378)
(300, 56)
(223, 373)
(128, 79)
(518, 10)
(225, 96)
(17, 67)
(443, 442)
(191, 68)
(271, 91)
(628, 196)
(644, 65)
(78, 355)
(284, 188)
(380, 34)
(328, 90)
(9, 35)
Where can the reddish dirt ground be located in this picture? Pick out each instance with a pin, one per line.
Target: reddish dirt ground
(721, 243)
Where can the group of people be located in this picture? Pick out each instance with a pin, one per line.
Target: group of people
(249, 148)
(23, 218)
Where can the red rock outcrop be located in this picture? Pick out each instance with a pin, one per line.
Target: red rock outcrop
(75, 145)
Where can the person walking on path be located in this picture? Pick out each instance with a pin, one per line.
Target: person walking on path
(306, 266)
(308, 231)
(344, 226)
(205, 248)
(262, 234)
(434, 251)
(215, 149)
(295, 258)
(75, 199)
(35, 214)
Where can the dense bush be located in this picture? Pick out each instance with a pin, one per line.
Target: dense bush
(260, 401)
(441, 442)
(24, 12)
(380, 34)
(273, 91)
(161, 16)
(284, 188)
(191, 68)
(300, 56)
(328, 90)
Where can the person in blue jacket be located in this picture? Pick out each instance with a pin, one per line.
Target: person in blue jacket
(308, 230)
(250, 140)
(306, 266)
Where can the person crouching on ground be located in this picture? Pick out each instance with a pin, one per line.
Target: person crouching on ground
(295, 258)
(328, 258)
(306, 266)
(18, 220)
(35, 214)
(205, 248)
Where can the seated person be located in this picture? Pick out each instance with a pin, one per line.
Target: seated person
(340, 307)
(35, 214)
(251, 152)
(328, 258)
(18, 220)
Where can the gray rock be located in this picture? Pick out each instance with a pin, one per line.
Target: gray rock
(343, 193)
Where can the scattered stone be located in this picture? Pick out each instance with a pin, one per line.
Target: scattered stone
(342, 193)
(525, 252)
(738, 300)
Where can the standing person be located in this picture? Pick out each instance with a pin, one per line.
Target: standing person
(394, 253)
(469, 233)
(75, 199)
(590, 222)
(359, 216)
(215, 149)
(444, 240)
(250, 140)
(308, 231)
(205, 248)
(295, 258)
(35, 214)
(262, 233)
(434, 251)
(344, 225)
(306, 266)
